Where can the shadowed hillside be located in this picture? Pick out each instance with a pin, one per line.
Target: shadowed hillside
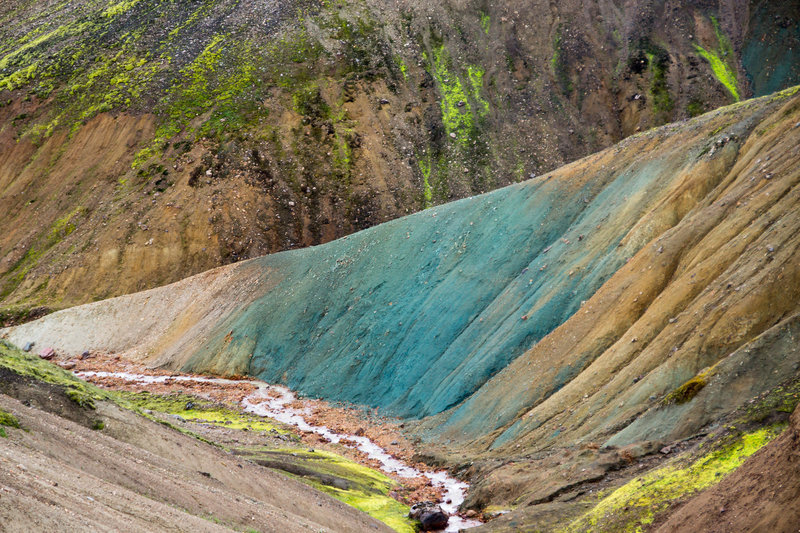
(143, 141)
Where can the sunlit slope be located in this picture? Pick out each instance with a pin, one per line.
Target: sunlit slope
(415, 315)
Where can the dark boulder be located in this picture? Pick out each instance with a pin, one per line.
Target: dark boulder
(430, 516)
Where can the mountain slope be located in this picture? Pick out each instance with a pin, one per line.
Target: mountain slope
(667, 241)
(144, 141)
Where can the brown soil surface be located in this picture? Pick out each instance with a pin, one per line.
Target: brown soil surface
(762, 495)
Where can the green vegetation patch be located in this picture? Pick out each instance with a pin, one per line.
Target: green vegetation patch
(719, 60)
(82, 393)
(688, 390)
(425, 169)
(486, 22)
(461, 102)
(356, 485)
(635, 504)
(7, 420)
(196, 409)
(558, 63)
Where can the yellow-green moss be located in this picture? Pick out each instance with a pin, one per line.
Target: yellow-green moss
(458, 116)
(635, 504)
(196, 409)
(82, 393)
(723, 71)
(8, 420)
(486, 22)
(402, 66)
(368, 491)
(689, 390)
(77, 390)
(119, 8)
(425, 169)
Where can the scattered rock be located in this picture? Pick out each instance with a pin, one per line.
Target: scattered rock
(47, 353)
(85, 354)
(430, 516)
(28, 346)
(471, 514)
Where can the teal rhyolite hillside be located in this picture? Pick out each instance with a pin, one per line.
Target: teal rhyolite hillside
(422, 313)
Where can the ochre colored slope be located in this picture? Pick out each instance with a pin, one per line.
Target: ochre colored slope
(686, 304)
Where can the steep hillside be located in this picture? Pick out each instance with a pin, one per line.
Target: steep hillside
(761, 496)
(76, 458)
(142, 141)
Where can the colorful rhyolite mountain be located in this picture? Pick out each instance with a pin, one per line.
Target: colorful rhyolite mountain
(636, 295)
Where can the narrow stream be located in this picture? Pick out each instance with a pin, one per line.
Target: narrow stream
(274, 401)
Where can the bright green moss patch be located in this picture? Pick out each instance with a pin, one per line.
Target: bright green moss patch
(456, 110)
(359, 486)
(718, 59)
(461, 103)
(475, 75)
(402, 66)
(197, 409)
(119, 8)
(635, 504)
(721, 70)
(486, 22)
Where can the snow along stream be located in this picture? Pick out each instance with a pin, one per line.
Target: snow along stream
(274, 401)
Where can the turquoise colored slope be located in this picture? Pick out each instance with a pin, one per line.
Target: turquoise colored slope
(414, 315)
